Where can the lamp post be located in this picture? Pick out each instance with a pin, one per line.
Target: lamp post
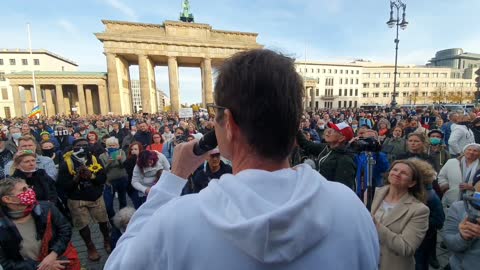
(396, 5)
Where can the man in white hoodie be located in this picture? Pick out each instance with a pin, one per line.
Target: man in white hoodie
(265, 215)
(461, 136)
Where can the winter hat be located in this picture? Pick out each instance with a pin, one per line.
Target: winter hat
(476, 145)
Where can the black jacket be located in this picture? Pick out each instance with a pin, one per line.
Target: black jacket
(119, 135)
(10, 238)
(84, 190)
(42, 184)
(145, 138)
(338, 166)
(202, 176)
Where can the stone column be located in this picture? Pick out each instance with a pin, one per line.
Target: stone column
(17, 103)
(103, 96)
(49, 101)
(28, 100)
(89, 101)
(81, 100)
(39, 98)
(173, 83)
(113, 86)
(202, 76)
(147, 84)
(208, 80)
(60, 101)
(312, 98)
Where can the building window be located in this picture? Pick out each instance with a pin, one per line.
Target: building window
(323, 71)
(376, 85)
(4, 93)
(1, 62)
(386, 75)
(358, 72)
(365, 95)
(350, 104)
(406, 84)
(340, 92)
(317, 92)
(330, 71)
(341, 71)
(443, 75)
(36, 62)
(406, 75)
(351, 81)
(335, 71)
(375, 94)
(435, 75)
(351, 92)
(376, 75)
(405, 94)
(356, 81)
(366, 75)
(8, 114)
(386, 94)
(459, 84)
(424, 94)
(416, 84)
(356, 92)
(24, 62)
(341, 80)
(425, 75)
(416, 75)
(339, 104)
(2, 76)
(12, 62)
(386, 85)
(425, 84)
(345, 92)
(366, 85)
(345, 104)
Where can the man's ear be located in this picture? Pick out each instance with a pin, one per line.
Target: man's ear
(231, 126)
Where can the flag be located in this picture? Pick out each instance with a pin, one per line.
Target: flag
(36, 110)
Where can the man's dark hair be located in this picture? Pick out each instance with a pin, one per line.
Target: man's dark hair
(264, 93)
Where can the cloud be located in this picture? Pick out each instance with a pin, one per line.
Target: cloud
(67, 26)
(123, 8)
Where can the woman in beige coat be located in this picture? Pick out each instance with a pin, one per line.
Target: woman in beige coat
(400, 216)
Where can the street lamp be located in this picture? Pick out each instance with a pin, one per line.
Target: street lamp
(396, 5)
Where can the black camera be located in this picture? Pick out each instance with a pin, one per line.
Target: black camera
(366, 145)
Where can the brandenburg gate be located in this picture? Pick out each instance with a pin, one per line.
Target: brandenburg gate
(171, 44)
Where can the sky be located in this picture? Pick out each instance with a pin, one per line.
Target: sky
(318, 30)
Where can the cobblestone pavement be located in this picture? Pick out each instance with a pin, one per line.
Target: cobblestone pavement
(97, 238)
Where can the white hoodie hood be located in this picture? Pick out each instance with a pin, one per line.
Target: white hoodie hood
(287, 212)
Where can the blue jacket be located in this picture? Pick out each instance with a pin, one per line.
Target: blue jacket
(380, 167)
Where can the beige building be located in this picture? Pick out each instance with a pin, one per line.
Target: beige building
(16, 60)
(171, 44)
(362, 83)
(416, 84)
(331, 85)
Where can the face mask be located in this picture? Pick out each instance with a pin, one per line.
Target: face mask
(48, 152)
(27, 198)
(435, 141)
(112, 149)
(354, 126)
(16, 136)
(321, 126)
(133, 132)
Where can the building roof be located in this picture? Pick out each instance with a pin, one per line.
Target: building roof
(39, 51)
(59, 73)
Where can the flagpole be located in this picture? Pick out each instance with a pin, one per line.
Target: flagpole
(33, 68)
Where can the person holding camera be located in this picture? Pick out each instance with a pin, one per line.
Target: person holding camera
(169, 147)
(461, 233)
(82, 178)
(334, 162)
(143, 134)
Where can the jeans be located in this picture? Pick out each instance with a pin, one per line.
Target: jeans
(119, 186)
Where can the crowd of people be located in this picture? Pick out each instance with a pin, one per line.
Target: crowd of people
(409, 168)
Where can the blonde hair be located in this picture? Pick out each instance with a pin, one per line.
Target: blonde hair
(426, 170)
(19, 157)
(423, 139)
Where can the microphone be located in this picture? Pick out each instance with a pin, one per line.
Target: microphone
(206, 143)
